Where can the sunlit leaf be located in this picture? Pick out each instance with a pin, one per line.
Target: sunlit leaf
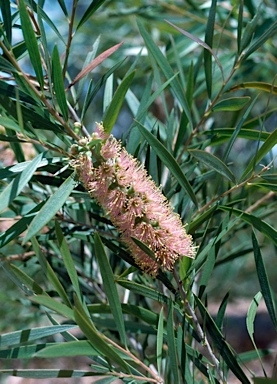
(114, 108)
(71, 348)
(231, 104)
(51, 207)
(16, 185)
(29, 335)
(250, 318)
(213, 162)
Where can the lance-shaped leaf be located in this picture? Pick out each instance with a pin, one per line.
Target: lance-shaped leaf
(222, 346)
(113, 110)
(18, 183)
(168, 161)
(259, 85)
(167, 71)
(97, 340)
(262, 152)
(71, 348)
(51, 207)
(231, 104)
(213, 162)
(49, 272)
(58, 82)
(98, 60)
(263, 280)
(110, 287)
(200, 42)
(31, 42)
(209, 35)
(250, 318)
(257, 223)
(28, 335)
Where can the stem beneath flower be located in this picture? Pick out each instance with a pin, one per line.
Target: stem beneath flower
(198, 328)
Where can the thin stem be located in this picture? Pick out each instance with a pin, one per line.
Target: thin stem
(40, 95)
(235, 187)
(210, 107)
(70, 36)
(135, 359)
(134, 377)
(198, 328)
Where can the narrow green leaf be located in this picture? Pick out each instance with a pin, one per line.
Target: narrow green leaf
(257, 223)
(249, 30)
(207, 271)
(94, 5)
(63, 7)
(7, 19)
(17, 184)
(231, 104)
(48, 373)
(222, 346)
(159, 348)
(262, 152)
(144, 248)
(144, 291)
(172, 349)
(221, 311)
(240, 24)
(49, 273)
(238, 128)
(264, 380)
(58, 82)
(97, 339)
(68, 261)
(25, 352)
(209, 35)
(144, 314)
(29, 335)
(200, 42)
(167, 71)
(51, 207)
(213, 162)
(71, 348)
(250, 318)
(54, 305)
(51, 23)
(114, 108)
(22, 280)
(94, 88)
(269, 32)
(263, 280)
(31, 42)
(259, 85)
(110, 287)
(168, 161)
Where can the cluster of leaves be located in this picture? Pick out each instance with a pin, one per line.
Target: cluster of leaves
(202, 115)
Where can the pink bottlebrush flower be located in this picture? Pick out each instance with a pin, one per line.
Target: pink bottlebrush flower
(136, 207)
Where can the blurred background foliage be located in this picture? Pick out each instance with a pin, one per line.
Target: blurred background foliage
(216, 117)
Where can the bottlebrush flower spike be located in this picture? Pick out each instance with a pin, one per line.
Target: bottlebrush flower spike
(136, 207)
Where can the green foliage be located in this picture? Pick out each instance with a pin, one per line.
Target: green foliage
(195, 102)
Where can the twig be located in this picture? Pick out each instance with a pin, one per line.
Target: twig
(156, 378)
(198, 328)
